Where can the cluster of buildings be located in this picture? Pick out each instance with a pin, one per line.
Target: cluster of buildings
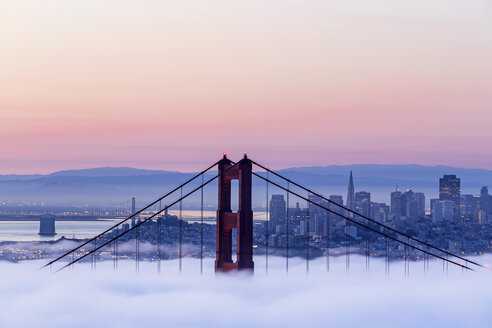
(456, 222)
(464, 220)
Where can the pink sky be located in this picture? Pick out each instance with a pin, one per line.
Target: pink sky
(172, 84)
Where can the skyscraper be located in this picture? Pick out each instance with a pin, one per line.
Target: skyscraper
(277, 212)
(363, 202)
(415, 204)
(351, 194)
(442, 211)
(317, 215)
(420, 203)
(337, 199)
(408, 206)
(449, 189)
(396, 206)
(468, 207)
(485, 200)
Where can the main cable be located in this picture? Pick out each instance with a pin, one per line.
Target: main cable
(364, 226)
(367, 218)
(141, 222)
(131, 216)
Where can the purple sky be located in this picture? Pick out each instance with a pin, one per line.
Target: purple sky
(171, 85)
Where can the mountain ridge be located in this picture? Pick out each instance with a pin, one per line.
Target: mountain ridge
(122, 171)
(115, 183)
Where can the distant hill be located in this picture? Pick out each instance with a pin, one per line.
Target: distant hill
(117, 184)
(109, 172)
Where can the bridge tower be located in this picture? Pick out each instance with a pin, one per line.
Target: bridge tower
(242, 220)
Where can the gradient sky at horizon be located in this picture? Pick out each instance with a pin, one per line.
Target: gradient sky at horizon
(172, 84)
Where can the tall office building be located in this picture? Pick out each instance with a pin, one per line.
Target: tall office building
(449, 189)
(420, 203)
(407, 206)
(351, 195)
(335, 219)
(317, 215)
(415, 204)
(468, 207)
(485, 201)
(396, 206)
(277, 213)
(380, 212)
(442, 211)
(363, 203)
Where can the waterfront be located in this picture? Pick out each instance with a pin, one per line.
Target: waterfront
(20, 230)
(28, 230)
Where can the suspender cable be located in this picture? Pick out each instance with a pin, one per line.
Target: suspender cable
(447, 263)
(114, 255)
(159, 232)
(137, 250)
(387, 255)
(347, 245)
(95, 254)
(307, 235)
(369, 247)
(328, 232)
(365, 217)
(362, 225)
(427, 260)
(406, 261)
(137, 225)
(180, 223)
(287, 232)
(267, 227)
(424, 260)
(132, 215)
(201, 228)
(366, 232)
(408, 256)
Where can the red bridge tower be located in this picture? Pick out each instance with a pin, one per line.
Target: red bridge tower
(242, 220)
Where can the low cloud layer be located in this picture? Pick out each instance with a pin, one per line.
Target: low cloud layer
(359, 298)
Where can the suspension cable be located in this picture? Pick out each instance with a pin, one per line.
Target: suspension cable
(347, 245)
(159, 232)
(363, 225)
(287, 232)
(267, 227)
(328, 233)
(365, 217)
(180, 224)
(141, 222)
(388, 254)
(115, 255)
(132, 216)
(308, 218)
(137, 250)
(201, 228)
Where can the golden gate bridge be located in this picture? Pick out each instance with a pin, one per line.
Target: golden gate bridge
(241, 222)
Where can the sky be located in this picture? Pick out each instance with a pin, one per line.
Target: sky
(104, 298)
(173, 84)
